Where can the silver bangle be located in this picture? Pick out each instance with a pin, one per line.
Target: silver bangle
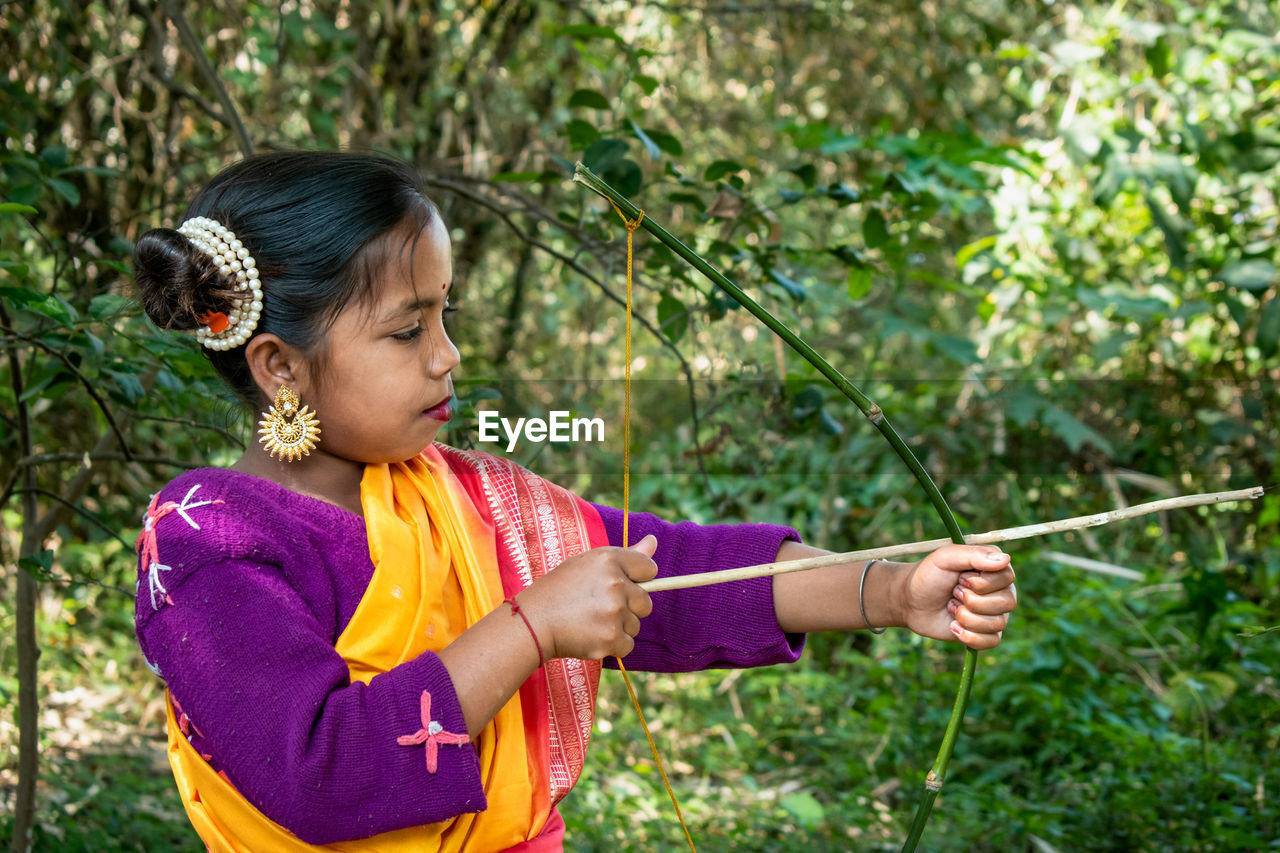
(861, 605)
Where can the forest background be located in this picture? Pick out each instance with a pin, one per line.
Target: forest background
(1041, 235)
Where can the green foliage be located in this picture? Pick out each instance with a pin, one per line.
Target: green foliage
(1043, 240)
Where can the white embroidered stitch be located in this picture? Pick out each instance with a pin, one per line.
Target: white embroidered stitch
(183, 507)
(149, 546)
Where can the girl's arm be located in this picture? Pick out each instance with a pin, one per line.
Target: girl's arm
(963, 592)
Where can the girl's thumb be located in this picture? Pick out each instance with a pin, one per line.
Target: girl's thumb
(647, 546)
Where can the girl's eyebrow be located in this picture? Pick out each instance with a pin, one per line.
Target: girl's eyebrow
(415, 305)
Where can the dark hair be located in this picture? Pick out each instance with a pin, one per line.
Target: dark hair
(317, 224)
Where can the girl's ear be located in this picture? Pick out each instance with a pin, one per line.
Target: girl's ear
(274, 363)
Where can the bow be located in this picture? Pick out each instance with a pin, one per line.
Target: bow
(873, 412)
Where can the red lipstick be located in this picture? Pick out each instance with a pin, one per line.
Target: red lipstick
(441, 411)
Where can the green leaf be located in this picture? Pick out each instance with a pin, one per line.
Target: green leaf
(840, 144)
(720, 168)
(590, 31)
(648, 84)
(129, 384)
(15, 268)
(55, 156)
(1255, 274)
(842, 194)
(590, 99)
(608, 158)
(649, 145)
(874, 230)
(39, 566)
(806, 172)
(1073, 431)
(1159, 57)
(604, 154)
(956, 348)
(793, 288)
(581, 133)
(673, 317)
(49, 306)
(1192, 694)
(110, 304)
(665, 141)
(1268, 335)
(807, 811)
(66, 189)
(859, 282)
(967, 252)
(14, 207)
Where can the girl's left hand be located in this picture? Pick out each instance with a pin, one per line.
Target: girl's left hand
(960, 592)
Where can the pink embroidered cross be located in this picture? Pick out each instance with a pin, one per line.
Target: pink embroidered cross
(149, 548)
(431, 733)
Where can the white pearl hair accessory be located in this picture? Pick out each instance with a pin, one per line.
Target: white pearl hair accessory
(219, 243)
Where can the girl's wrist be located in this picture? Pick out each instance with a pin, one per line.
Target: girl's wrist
(884, 590)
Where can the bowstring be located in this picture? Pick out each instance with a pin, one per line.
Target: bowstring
(632, 225)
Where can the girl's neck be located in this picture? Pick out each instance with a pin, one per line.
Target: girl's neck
(319, 475)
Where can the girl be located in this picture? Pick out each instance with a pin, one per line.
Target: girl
(364, 643)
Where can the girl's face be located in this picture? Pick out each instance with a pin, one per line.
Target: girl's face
(385, 389)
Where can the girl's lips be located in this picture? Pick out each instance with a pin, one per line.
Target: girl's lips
(440, 411)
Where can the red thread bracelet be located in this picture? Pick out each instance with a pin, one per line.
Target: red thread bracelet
(516, 611)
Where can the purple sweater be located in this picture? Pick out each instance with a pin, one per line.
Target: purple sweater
(254, 585)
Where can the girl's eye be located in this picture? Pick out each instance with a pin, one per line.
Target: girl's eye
(449, 309)
(409, 334)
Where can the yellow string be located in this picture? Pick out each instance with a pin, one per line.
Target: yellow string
(632, 225)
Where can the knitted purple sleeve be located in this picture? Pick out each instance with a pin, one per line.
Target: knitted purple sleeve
(252, 598)
(724, 625)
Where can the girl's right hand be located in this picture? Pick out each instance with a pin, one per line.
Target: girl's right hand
(590, 606)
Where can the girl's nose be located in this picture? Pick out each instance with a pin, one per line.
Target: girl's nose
(444, 356)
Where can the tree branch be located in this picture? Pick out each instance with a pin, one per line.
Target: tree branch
(206, 69)
(88, 386)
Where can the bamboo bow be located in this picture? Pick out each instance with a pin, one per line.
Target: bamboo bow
(933, 782)
(934, 779)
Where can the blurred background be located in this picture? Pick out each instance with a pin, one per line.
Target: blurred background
(1040, 235)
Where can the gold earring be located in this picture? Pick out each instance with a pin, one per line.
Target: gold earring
(287, 432)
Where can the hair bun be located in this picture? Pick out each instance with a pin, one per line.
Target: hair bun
(177, 283)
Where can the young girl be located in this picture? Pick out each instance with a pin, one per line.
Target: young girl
(374, 642)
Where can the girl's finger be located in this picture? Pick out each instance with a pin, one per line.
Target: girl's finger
(639, 602)
(1001, 601)
(978, 623)
(984, 583)
(974, 640)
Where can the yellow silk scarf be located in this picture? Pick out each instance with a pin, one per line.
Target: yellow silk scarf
(436, 573)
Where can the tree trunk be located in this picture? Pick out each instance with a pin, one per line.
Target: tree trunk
(24, 811)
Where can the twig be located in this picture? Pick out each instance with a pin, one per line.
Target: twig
(1090, 565)
(84, 380)
(206, 69)
(1008, 534)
